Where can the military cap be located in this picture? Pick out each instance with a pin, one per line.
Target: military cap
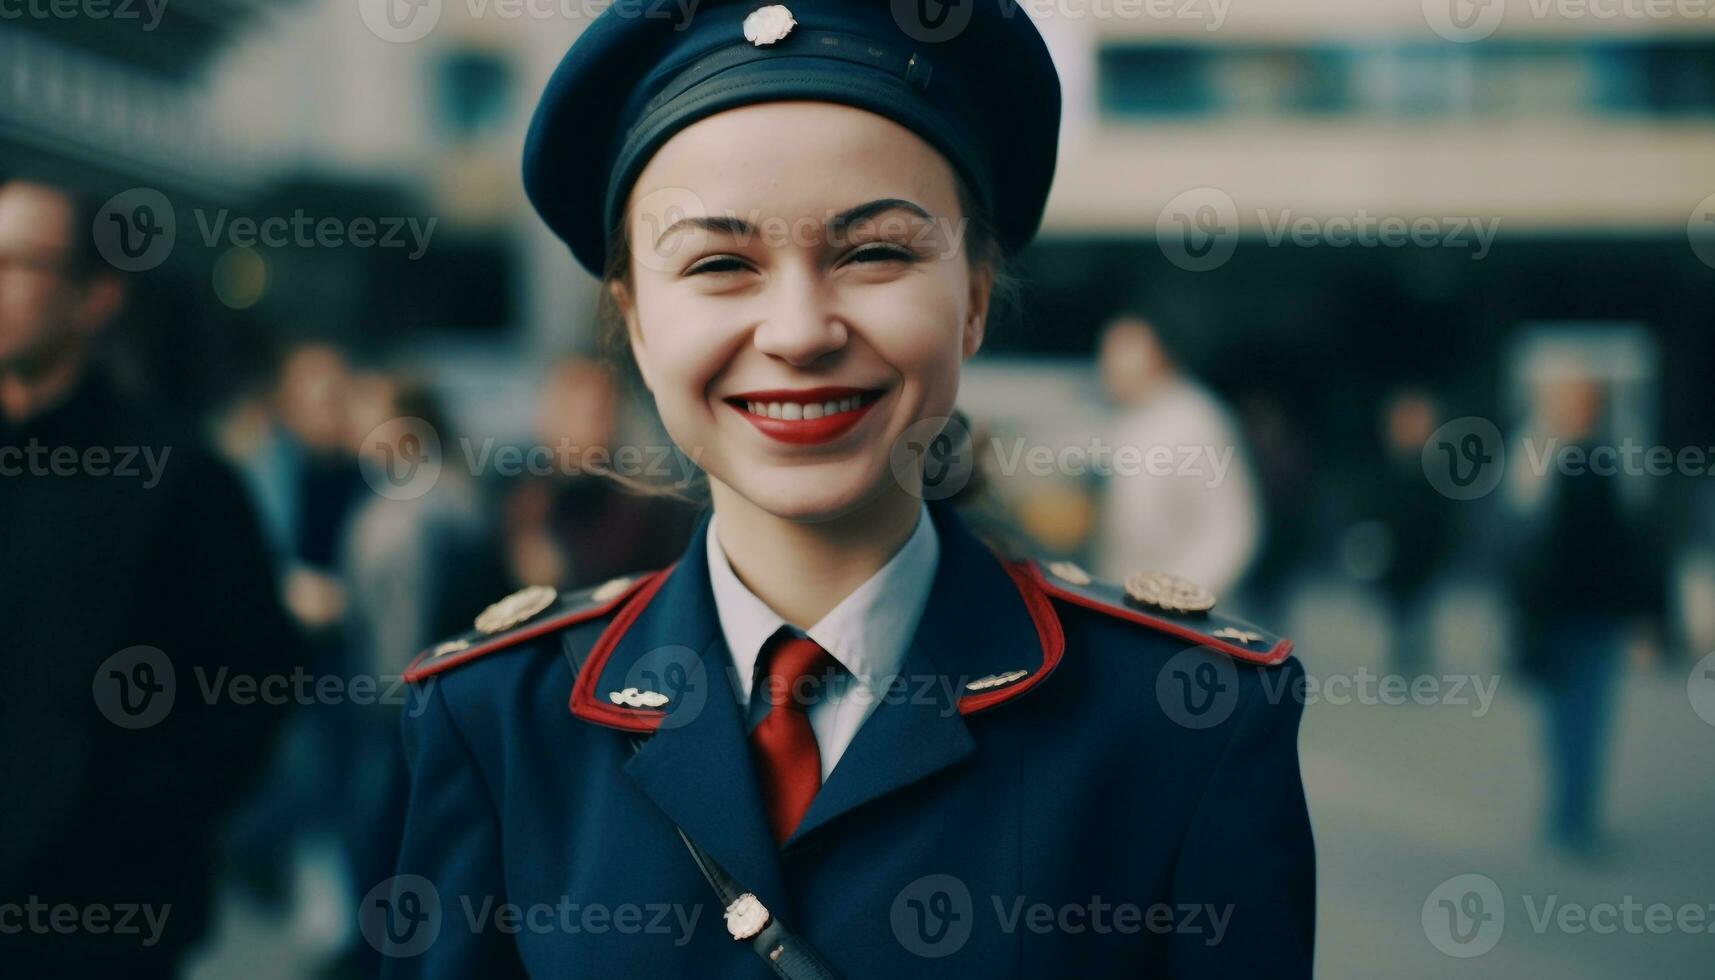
(971, 77)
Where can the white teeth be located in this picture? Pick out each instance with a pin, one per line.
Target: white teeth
(803, 410)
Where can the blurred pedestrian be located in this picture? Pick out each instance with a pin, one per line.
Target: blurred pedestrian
(585, 521)
(416, 564)
(1586, 585)
(1192, 509)
(117, 533)
(313, 405)
(1415, 523)
(304, 473)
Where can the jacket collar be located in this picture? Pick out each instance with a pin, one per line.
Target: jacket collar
(867, 631)
(987, 635)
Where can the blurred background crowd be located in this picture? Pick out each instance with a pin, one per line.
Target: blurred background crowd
(1388, 321)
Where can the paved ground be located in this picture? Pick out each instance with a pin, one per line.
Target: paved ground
(1404, 798)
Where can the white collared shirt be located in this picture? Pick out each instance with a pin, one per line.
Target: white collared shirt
(867, 632)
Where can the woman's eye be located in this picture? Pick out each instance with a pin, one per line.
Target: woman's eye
(718, 263)
(880, 252)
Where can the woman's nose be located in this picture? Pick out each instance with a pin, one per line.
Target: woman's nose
(801, 324)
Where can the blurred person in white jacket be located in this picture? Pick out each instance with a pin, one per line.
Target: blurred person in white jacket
(1181, 498)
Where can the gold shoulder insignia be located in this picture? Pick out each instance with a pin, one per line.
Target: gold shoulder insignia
(524, 615)
(1166, 603)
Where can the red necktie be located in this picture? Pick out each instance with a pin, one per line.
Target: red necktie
(788, 764)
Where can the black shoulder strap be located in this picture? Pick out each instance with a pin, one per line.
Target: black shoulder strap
(790, 956)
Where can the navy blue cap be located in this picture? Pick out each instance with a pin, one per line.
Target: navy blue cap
(976, 83)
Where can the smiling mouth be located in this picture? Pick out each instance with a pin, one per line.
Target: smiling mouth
(806, 416)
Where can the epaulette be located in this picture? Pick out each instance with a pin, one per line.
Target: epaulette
(1163, 602)
(524, 615)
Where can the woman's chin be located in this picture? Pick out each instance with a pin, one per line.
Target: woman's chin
(813, 494)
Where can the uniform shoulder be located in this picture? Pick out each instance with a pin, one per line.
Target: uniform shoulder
(1163, 603)
(524, 615)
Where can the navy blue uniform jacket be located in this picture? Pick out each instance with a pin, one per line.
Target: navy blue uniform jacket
(1118, 795)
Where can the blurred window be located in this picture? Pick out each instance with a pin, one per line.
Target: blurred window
(1511, 79)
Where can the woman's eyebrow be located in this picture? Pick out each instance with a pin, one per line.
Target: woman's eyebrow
(870, 209)
(740, 228)
(729, 225)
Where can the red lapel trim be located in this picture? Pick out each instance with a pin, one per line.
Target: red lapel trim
(584, 703)
(419, 670)
(1274, 655)
(1048, 631)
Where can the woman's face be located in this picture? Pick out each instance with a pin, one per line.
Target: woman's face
(800, 297)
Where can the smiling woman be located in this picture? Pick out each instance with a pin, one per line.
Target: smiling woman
(869, 740)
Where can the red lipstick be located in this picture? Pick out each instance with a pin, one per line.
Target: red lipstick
(805, 416)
